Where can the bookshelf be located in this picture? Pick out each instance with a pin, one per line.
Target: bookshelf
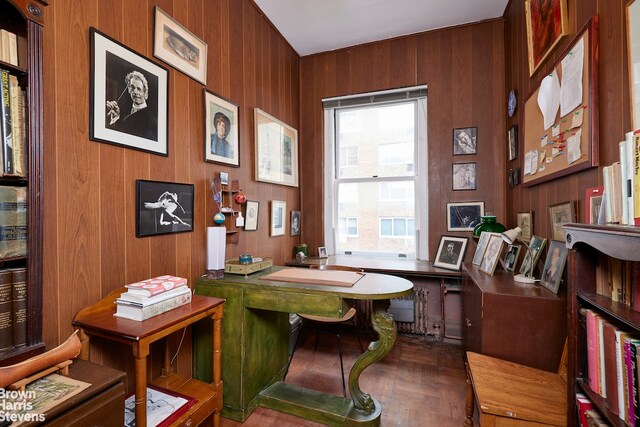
(590, 246)
(26, 19)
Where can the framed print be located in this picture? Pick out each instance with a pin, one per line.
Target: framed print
(511, 257)
(276, 150)
(295, 223)
(179, 47)
(512, 142)
(163, 208)
(547, 23)
(492, 253)
(633, 55)
(561, 213)
(450, 252)
(464, 216)
(464, 141)
(593, 204)
(129, 97)
(278, 209)
(525, 222)
(536, 245)
(482, 245)
(251, 215)
(221, 139)
(554, 266)
(464, 176)
(322, 252)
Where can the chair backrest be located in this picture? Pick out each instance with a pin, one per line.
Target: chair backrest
(562, 369)
(335, 267)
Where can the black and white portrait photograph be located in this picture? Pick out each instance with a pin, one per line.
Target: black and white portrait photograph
(464, 176)
(464, 216)
(492, 254)
(278, 209)
(511, 257)
(554, 266)
(163, 208)
(221, 131)
(295, 223)
(450, 252)
(129, 97)
(464, 141)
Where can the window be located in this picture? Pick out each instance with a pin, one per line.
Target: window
(375, 179)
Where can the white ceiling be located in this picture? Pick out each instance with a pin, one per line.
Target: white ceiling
(313, 26)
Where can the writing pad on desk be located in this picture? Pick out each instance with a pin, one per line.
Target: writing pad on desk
(315, 277)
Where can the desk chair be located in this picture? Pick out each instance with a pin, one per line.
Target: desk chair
(327, 325)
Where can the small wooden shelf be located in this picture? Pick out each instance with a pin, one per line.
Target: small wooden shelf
(203, 392)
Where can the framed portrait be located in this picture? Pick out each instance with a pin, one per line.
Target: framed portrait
(464, 216)
(511, 257)
(482, 245)
(163, 208)
(547, 23)
(465, 141)
(278, 209)
(129, 97)
(276, 150)
(322, 252)
(525, 222)
(554, 266)
(536, 245)
(512, 142)
(561, 213)
(221, 134)
(450, 252)
(492, 253)
(295, 223)
(593, 204)
(179, 47)
(464, 176)
(251, 215)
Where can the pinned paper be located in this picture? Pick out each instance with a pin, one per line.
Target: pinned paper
(544, 141)
(573, 147)
(549, 99)
(534, 161)
(572, 66)
(555, 152)
(542, 168)
(543, 154)
(576, 118)
(549, 159)
(555, 130)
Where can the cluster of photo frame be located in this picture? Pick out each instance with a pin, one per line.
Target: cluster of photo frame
(464, 143)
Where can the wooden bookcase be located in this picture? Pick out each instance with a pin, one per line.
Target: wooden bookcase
(26, 19)
(590, 245)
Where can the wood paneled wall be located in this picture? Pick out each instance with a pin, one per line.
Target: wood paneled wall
(464, 71)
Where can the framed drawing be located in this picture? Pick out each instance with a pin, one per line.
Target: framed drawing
(511, 257)
(163, 208)
(464, 141)
(512, 142)
(492, 253)
(179, 47)
(278, 209)
(593, 204)
(295, 223)
(536, 245)
(276, 150)
(450, 252)
(251, 215)
(554, 266)
(129, 97)
(464, 176)
(221, 139)
(561, 213)
(464, 216)
(482, 245)
(547, 23)
(525, 222)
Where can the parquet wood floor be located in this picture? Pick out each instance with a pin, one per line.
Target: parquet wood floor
(419, 383)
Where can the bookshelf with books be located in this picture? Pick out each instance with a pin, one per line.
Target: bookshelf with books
(21, 208)
(596, 253)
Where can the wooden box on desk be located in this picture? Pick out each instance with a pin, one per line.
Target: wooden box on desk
(522, 323)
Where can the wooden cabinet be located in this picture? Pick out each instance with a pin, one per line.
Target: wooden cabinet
(25, 19)
(522, 323)
(591, 249)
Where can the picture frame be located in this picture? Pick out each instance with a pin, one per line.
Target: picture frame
(276, 148)
(322, 252)
(525, 222)
(536, 245)
(222, 128)
(464, 216)
(224, 178)
(560, 214)
(464, 176)
(450, 252)
(252, 209)
(163, 207)
(547, 23)
(296, 225)
(554, 265)
(465, 141)
(278, 218)
(593, 204)
(179, 47)
(120, 79)
(512, 142)
(492, 254)
(633, 56)
(482, 246)
(511, 257)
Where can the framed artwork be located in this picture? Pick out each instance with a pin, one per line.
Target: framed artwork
(276, 150)
(179, 47)
(322, 252)
(633, 43)
(129, 97)
(295, 223)
(221, 134)
(512, 142)
(525, 222)
(561, 213)
(464, 176)
(554, 266)
(492, 253)
(450, 252)
(547, 23)
(482, 245)
(536, 245)
(593, 204)
(511, 257)
(464, 141)
(163, 208)
(278, 209)
(251, 215)
(464, 216)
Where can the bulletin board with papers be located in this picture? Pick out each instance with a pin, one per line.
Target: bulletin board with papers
(561, 115)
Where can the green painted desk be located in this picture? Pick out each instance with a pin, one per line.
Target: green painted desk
(255, 343)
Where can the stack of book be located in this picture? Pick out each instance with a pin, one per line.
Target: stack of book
(13, 132)
(152, 297)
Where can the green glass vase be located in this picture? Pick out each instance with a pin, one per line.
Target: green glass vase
(490, 224)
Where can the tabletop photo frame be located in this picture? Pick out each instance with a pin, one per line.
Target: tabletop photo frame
(560, 214)
(525, 222)
(491, 255)
(536, 245)
(554, 265)
(276, 150)
(451, 252)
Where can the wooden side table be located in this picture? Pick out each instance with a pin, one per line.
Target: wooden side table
(98, 320)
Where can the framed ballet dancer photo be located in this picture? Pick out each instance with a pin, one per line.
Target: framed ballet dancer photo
(163, 208)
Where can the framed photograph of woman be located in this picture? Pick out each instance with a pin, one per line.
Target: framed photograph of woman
(492, 254)
(554, 266)
(464, 176)
(251, 215)
(295, 223)
(221, 139)
(547, 23)
(450, 252)
(464, 141)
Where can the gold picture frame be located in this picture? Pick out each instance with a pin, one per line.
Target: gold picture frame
(547, 24)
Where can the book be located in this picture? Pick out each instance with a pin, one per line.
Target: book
(4, 42)
(13, 221)
(636, 178)
(592, 350)
(19, 282)
(155, 286)
(6, 310)
(583, 404)
(143, 301)
(594, 419)
(632, 391)
(629, 166)
(16, 125)
(624, 217)
(621, 374)
(13, 49)
(603, 391)
(610, 367)
(134, 311)
(5, 123)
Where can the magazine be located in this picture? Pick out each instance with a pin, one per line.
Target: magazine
(163, 407)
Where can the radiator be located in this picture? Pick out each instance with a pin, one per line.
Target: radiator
(420, 317)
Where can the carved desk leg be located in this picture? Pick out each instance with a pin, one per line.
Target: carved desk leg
(469, 407)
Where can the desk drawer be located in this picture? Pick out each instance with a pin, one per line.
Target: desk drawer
(296, 302)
